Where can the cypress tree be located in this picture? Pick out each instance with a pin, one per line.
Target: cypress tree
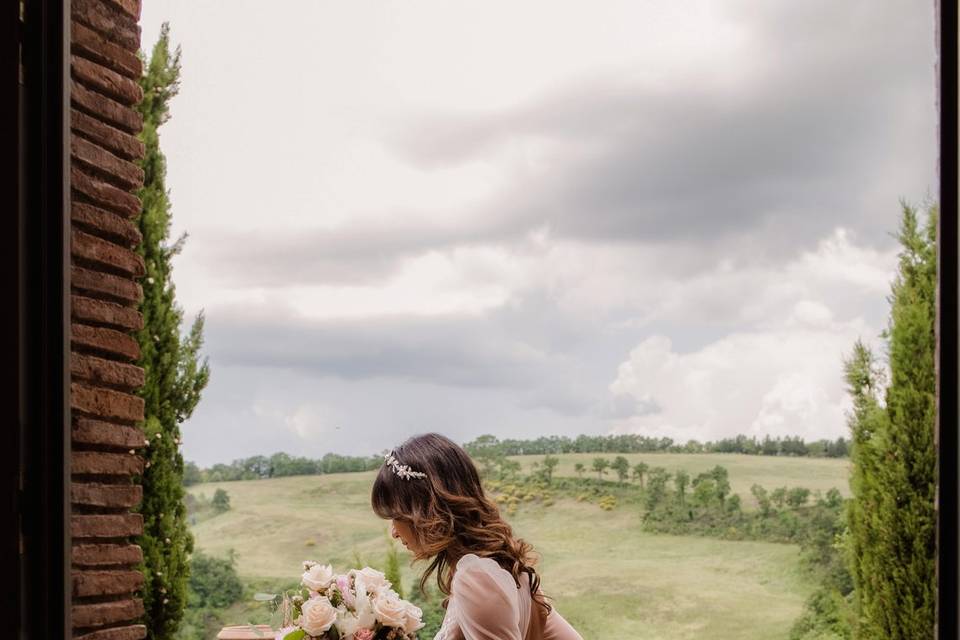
(175, 376)
(892, 518)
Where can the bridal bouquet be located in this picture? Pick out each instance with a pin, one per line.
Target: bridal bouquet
(359, 605)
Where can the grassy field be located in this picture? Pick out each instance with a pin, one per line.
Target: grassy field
(745, 471)
(609, 578)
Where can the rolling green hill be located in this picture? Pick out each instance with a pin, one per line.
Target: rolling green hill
(608, 577)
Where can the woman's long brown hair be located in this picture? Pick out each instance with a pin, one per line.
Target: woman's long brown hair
(450, 514)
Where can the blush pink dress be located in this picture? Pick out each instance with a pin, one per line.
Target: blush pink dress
(485, 604)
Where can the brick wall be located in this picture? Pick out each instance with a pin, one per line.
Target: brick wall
(104, 297)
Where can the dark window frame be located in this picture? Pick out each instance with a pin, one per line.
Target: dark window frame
(34, 254)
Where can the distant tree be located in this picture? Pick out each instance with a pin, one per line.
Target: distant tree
(214, 581)
(221, 501)
(892, 519)
(509, 468)
(681, 479)
(733, 504)
(639, 470)
(600, 465)
(704, 491)
(657, 488)
(797, 497)
(579, 468)
(191, 474)
(779, 496)
(549, 464)
(770, 447)
(622, 466)
(763, 500)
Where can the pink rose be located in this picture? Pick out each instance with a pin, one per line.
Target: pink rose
(363, 634)
(343, 584)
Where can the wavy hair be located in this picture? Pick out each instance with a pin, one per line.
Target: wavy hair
(450, 514)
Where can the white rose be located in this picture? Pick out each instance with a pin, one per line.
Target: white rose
(317, 615)
(346, 623)
(414, 614)
(390, 610)
(318, 577)
(371, 580)
(366, 618)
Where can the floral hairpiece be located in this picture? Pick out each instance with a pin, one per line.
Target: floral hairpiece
(402, 470)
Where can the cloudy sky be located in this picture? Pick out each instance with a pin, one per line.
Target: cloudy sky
(537, 217)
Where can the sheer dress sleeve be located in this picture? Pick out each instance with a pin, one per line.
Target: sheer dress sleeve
(557, 628)
(489, 605)
(487, 602)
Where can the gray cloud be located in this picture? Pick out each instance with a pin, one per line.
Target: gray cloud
(819, 133)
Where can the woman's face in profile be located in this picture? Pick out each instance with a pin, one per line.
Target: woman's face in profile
(404, 532)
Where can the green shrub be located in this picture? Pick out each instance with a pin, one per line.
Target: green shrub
(214, 581)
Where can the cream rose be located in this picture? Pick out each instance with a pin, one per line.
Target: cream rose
(347, 623)
(414, 614)
(390, 610)
(372, 581)
(317, 616)
(318, 577)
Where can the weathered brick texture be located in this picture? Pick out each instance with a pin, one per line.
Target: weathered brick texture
(101, 312)
(105, 435)
(101, 555)
(107, 413)
(105, 583)
(133, 632)
(106, 526)
(96, 615)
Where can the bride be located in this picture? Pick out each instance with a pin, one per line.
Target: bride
(430, 490)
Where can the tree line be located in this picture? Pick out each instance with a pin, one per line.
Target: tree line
(277, 466)
(637, 443)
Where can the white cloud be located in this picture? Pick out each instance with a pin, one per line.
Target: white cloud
(780, 372)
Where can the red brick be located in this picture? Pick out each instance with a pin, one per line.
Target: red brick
(106, 223)
(122, 173)
(105, 341)
(104, 194)
(106, 403)
(134, 632)
(118, 142)
(87, 42)
(105, 583)
(103, 253)
(103, 555)
(106, 464)
(113, 496)
(106, 434)
(96, 283)
(106, 526)
(108, 82)
(117, 26)
(103, 108)
(104, 613)
(130, 7)
(99, 312)
(109, 373)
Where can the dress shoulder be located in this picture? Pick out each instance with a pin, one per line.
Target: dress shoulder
(486, 599)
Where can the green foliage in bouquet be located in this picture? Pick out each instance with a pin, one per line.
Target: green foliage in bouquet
(174, 375)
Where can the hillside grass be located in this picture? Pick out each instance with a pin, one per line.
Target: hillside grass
(608, 577)
(771, 472)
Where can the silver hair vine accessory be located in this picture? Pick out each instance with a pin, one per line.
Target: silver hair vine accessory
(402, 470)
